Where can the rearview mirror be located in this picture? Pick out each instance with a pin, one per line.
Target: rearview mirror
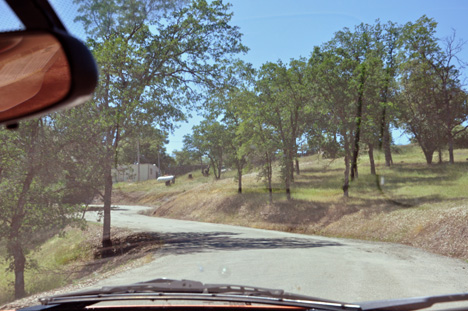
(41, 72)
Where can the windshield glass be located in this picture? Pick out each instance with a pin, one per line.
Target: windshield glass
(316, 147)
(9, 20)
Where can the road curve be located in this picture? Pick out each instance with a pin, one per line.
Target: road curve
(338, 269)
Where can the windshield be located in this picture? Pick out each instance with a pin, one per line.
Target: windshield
(316, 147)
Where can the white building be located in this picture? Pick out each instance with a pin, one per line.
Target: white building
(135, 172)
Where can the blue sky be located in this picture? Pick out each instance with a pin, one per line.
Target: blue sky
(285, 29)
(280, 29)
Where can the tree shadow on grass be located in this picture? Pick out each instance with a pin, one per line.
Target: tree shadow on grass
(411, 202)
(297, 215)
(319, 178)
(443, 172)
(391, 181)
(320, 169)
(282, 214)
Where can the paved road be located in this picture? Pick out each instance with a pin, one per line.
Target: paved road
(339, 269)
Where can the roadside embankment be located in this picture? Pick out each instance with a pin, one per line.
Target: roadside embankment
(410, 203)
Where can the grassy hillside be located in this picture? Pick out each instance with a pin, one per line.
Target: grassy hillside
(417, 204)
(47, 263)
(73, 259)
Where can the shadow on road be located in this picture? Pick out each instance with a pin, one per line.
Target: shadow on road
(100, 208)
(189, 242)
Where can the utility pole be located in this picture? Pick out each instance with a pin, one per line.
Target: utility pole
(138, 159)
(159, 164)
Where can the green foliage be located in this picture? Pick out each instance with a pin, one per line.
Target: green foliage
(186, 157)
(461, 137)
(155, 58)
(33, 202)
(432, 101)
(348, 95)
(285, 107)
(145, 146)
(211, 138)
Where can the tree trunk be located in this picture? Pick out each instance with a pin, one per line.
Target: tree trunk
(439, 151)
(239, 179)
(371, 159)
(292, 154)
(354, 167)
(450, 149)
(270, 188)
(269, 176)
(346, 178)
(357, 136)
(220, 167)
(387, 147)
(385, 137)
(448, 121)
(15, 247)
(20, 262)
(428, 155)
(291, 169)
(288, 193)
(216, 170)
(346, 172)
(106, 229)
(298, 171)
(288, 174)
